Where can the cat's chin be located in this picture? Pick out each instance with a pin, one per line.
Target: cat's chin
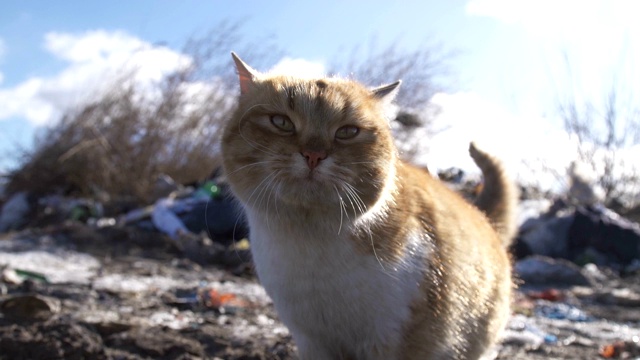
(308, 192)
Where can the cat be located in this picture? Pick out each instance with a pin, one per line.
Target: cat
(365, 256)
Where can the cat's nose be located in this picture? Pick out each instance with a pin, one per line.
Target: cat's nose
(314, 158)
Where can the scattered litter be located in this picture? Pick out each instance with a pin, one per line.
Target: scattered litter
(60, 267)
(547, 294)
(14, 212)
(121, 283)
(241, 245)
(18, 276)
(214, 299)
(165, 220)
(176, 320)
(521, 331)
(546, 271)
(561, 311)
(620, 350)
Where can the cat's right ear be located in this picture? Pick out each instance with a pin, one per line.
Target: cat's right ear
(246, 74)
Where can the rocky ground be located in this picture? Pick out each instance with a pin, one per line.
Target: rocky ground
(72, 291)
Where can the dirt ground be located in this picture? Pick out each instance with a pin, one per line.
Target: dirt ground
(73, 292)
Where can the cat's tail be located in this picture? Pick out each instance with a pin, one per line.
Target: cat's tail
(499, 196)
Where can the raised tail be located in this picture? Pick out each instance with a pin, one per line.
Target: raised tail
(499, 196)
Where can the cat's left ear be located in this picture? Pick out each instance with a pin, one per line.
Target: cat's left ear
(388, 92)
(246, 74)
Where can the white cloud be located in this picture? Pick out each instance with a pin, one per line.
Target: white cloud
(96, 60)
(567, 16)
(586, 47)
(299, 68)
(597, 31)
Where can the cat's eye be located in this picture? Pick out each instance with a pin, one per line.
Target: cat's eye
(347, 132)
(282, 122)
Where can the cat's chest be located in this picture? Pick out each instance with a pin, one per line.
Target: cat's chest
(322, 285)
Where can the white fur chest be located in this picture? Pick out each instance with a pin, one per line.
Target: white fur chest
(332, 297)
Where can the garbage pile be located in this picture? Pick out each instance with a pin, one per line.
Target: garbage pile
(173, 279)
(203, 222)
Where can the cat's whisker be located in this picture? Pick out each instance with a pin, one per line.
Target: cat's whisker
(375, 253)
(276, 186)
(270, 189)
(265, 189)
(352, 201)
(358, 163)
(350, 189)
(342, 208)
(260, 186)
(252, 164)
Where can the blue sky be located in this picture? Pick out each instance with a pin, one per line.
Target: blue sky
(506, 75)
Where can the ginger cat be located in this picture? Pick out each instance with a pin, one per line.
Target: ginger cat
(364, 256)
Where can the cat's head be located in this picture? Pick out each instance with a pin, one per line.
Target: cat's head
(310, 143)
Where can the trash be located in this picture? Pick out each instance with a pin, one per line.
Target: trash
(76, 209)
(610, 350)
(606, 232)
(174, 319)
(163, 186)
(547, 235)
(208, 190)
(625, 297)
(214, 299)
(14, 212)
(132, 284)
(166, 220)
(620, 350)
(241, 245)
(547, 294)
(17, 276)
(522, 331)
(202, 210)
(546, 271)
(561, 311)
(63, 266)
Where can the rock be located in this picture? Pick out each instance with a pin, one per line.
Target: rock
(54, 339)
(29, 307)
(156, 343)
(540, 270)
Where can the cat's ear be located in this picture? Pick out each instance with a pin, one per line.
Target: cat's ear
(388, 92)
(246, 74)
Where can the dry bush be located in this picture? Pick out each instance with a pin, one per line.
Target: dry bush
(607, 134)
(119, 144)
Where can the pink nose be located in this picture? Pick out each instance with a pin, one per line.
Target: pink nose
(314, 158)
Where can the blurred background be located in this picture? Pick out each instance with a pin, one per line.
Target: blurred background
(106, 96)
